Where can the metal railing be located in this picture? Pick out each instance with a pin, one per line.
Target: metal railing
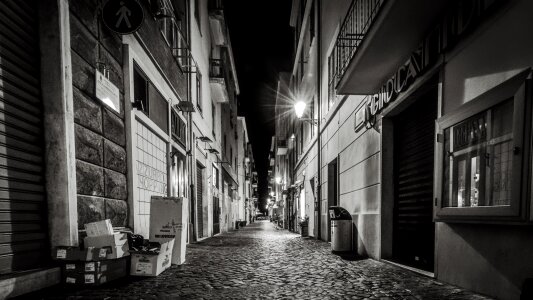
(360, 16)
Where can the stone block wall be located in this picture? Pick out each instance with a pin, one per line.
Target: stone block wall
(101, 164)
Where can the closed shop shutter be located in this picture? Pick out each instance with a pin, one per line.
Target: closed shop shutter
(23, 233)
(413, 208)
(199, 200)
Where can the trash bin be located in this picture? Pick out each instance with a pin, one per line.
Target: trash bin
(341, 229)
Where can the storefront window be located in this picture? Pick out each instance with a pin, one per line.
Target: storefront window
(479, 159)
(481, 169)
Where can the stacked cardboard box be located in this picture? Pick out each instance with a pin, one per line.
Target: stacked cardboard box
(104, 256)
(168, 227)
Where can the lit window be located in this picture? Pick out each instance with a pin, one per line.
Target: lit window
(479, 164)
(481, 173)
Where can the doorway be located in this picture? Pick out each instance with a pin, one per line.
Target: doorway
(199, 199)
(333, 182)
(414, 140)
(216, 216)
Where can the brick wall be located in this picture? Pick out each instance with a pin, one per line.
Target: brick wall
(101, 164)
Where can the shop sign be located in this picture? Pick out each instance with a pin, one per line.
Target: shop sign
(107, 92)
(461, 19)
(122, 16)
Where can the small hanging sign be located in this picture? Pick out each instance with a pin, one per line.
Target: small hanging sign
(107, 92)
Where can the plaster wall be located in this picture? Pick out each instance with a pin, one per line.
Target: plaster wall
(491, 259)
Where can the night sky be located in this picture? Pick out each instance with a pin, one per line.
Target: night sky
(262, 44)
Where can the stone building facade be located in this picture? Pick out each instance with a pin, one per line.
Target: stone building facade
(89, 157)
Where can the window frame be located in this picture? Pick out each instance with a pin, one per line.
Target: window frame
(216, 174)
(199, 91)
(518, 89)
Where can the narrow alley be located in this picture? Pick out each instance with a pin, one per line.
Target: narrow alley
(262, 262)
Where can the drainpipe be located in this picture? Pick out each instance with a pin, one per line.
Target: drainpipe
(319, 102)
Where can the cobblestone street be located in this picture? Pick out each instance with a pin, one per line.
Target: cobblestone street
(260, 262)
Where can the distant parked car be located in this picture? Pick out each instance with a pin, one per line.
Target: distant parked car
(261, 217)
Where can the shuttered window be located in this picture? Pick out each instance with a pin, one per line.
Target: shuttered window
(23, 233)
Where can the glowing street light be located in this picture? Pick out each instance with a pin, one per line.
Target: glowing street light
(299, 108)
(271, 194)
(278, 179)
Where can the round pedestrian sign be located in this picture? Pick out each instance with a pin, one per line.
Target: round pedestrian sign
(123, 16)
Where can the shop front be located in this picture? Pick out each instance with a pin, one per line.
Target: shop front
(455, 125)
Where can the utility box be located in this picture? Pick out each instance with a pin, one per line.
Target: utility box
(341, 229)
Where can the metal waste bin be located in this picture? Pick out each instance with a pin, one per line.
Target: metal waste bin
(341, 229)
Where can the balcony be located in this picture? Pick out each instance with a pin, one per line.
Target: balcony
(217, 81)
(281, 147)
(376, 38)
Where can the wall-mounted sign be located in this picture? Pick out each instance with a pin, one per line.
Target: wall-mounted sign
(107, 92)
(122, 16)
(360, 118)
(461, 19)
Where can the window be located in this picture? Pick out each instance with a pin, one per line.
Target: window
(140, 90)
(149, 100)
(230, 155)
(482, 173)
(301, 138)
(225, 143)
(312, 116)
(199, 91)
(332, 80)
(213, 114)
(215, 177)
(178, 128)
(179, 186)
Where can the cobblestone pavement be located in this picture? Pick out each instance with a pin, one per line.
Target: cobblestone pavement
(260, 262)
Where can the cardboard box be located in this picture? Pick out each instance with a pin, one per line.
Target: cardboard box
(90, 253)
(94, 273)
(169, 220)
(111, 240)
(152, 264)
(99, 228)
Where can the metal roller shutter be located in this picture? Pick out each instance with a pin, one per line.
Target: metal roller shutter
(199, 199)
(413, 207)
(23, 237)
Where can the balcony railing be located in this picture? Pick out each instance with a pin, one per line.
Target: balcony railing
(360, 16)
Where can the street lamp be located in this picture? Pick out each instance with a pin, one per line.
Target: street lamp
(278, 179)
(299, 109)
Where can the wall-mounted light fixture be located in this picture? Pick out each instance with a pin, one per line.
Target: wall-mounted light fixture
(204, 139)
(185, 106)
(299, 109)
(212, 151)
